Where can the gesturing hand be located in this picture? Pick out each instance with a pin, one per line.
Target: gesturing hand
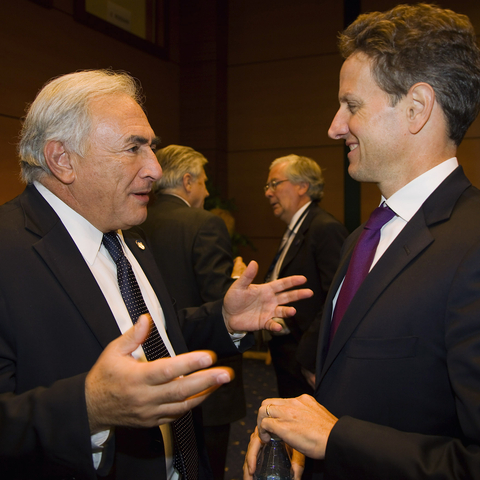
(121, 390)
(248, 307)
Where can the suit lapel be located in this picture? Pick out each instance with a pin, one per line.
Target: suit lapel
(411, 242)
(147, 262)
(62, 256)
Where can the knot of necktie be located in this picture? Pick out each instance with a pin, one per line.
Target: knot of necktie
(112, 244)
(379, 217)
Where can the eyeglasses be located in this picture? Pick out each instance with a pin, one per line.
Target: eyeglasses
(274, 184)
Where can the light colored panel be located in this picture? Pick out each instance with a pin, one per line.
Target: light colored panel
(275, 29)
(10, 184)
(283, 104)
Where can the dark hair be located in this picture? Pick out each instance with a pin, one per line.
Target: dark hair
(422, 43)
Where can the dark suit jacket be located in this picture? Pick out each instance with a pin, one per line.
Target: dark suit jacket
(406, 356)
(193, 251)
(54, 323)
(314, 253)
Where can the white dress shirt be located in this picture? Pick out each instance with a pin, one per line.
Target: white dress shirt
(405, 203)
(293, 227)
(89, 241)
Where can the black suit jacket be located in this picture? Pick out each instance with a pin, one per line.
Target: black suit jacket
(54, 323)
(314, 253)
(403, 370)
(193, 251)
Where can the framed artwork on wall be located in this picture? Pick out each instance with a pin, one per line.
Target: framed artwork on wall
(140, 23)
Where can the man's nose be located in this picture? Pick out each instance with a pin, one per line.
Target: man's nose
(339, 127)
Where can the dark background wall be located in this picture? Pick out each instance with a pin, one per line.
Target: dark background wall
(245, 81)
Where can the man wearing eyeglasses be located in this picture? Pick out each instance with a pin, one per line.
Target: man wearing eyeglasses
(310, 247)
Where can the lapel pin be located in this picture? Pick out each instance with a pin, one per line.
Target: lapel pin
(140, 245)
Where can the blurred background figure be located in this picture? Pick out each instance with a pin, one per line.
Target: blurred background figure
(193, 250)
(310, 247)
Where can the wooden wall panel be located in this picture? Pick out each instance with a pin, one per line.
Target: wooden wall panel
(282, 96)
(266, 30)
(468, 156)
(39, 43)
(10, 184)
(284, 104)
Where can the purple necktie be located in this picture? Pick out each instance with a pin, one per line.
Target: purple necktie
(362, 258)
(186, 452)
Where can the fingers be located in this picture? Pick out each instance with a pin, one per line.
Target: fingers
(238, 267)
(288, 282)
(273, 326)
(133, 337)
(166, 369)
(187, 392)
(298, 463)
(284, 298)
(251, 456)
(301, 422)
(248, 275)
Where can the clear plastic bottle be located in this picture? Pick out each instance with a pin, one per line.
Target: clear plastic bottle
(273, 462)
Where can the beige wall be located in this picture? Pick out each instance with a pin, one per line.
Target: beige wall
(39, 43)
(283, 82)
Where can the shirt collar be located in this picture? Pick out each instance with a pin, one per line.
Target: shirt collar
(178, 196)
(297, 215)
(87, 238)
(406, 202)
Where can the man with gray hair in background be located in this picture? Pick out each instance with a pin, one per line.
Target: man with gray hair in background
(193, 249)
(93, 357)
(311, 247)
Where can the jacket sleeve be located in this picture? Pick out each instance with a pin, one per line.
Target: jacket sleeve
(378, 452)
(212, 259)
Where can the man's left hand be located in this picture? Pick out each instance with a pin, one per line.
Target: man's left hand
(247, 307)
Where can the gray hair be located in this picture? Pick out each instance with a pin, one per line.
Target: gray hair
(61, 112)
(303, 169)
(176, 161)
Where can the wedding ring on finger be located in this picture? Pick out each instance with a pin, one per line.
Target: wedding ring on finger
(267, 410)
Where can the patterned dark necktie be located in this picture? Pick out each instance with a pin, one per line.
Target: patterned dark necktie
(186, 453)
(362, 258)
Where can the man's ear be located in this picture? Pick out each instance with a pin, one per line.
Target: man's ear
(420, 107)
(59, 161)
(303, 188)
(187, 182)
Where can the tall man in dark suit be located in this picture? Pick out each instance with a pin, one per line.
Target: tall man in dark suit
(77, 398)
(193, 249)
(398, 384)
(310, 247)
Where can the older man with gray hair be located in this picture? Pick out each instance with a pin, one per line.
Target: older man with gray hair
(310, 247)
(93, 358)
